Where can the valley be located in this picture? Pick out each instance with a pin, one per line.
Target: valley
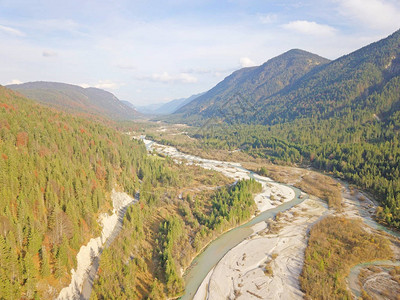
(282, 181)
(258, 273)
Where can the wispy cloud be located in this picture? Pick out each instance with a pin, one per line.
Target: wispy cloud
(246, 62)
(268, 18)
(213, 71)
(49, 53)
(14, 81)
(107, 84)
(376, 14)
(165, 77)
(12, 31)
(177, 50)
(103, 84)
(310, 28)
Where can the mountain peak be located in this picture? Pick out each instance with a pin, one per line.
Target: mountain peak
(257, 82)
(297, 51)
(300, 54)
(298, 84)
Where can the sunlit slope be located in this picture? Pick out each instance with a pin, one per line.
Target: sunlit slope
(73, 98)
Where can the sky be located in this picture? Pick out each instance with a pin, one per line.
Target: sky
(147, 51)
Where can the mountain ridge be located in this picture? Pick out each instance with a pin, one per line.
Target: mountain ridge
(73, 98)
(280, 91)
(256, 82)
(342, 118)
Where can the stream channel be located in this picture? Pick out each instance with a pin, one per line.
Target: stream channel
(352, 279)
(217, 248)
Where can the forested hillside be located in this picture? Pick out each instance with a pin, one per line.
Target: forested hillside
(362, 83)
(298, 84)
(75, 99)
(160, 238)
(56, 175)
(251, 85)
(342, 117)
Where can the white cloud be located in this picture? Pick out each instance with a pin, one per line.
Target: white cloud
(107, 84)
(310, 28)
(11, 30)
(205, 71)
(195, 52)
(198, 71)
(103, 84)
(376, 14)
(14, 81)
(246, 62)
(187, 78)
(165, 77)
(49, 53)
(268, 18)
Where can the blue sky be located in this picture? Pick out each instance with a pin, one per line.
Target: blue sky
(155, 51)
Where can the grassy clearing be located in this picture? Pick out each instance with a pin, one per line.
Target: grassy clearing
(335, 245)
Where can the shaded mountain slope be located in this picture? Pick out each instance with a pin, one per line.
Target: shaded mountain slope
(353, 82)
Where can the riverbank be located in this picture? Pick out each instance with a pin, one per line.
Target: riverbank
(268, 263)
(272, 199)
(273, 193)
(252, 268)
(91, 252)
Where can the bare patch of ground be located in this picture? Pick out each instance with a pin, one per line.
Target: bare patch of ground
(380, 282)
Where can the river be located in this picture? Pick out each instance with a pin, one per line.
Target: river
(213, 253)
(217, 249)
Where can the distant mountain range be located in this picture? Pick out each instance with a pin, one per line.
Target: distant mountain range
(166, 108)
(73, 98)
(296, 84)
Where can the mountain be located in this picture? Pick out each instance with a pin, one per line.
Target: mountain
(166, 108)
(356, 82)
(73, 98)
(149, 108)
(128, 103)
(253, 84)
(56, 174)
(342, 117)
(298, 84)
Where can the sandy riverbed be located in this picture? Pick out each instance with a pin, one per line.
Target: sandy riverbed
(267, 265)
(240, 274)
(94, 247)
(272, 195)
